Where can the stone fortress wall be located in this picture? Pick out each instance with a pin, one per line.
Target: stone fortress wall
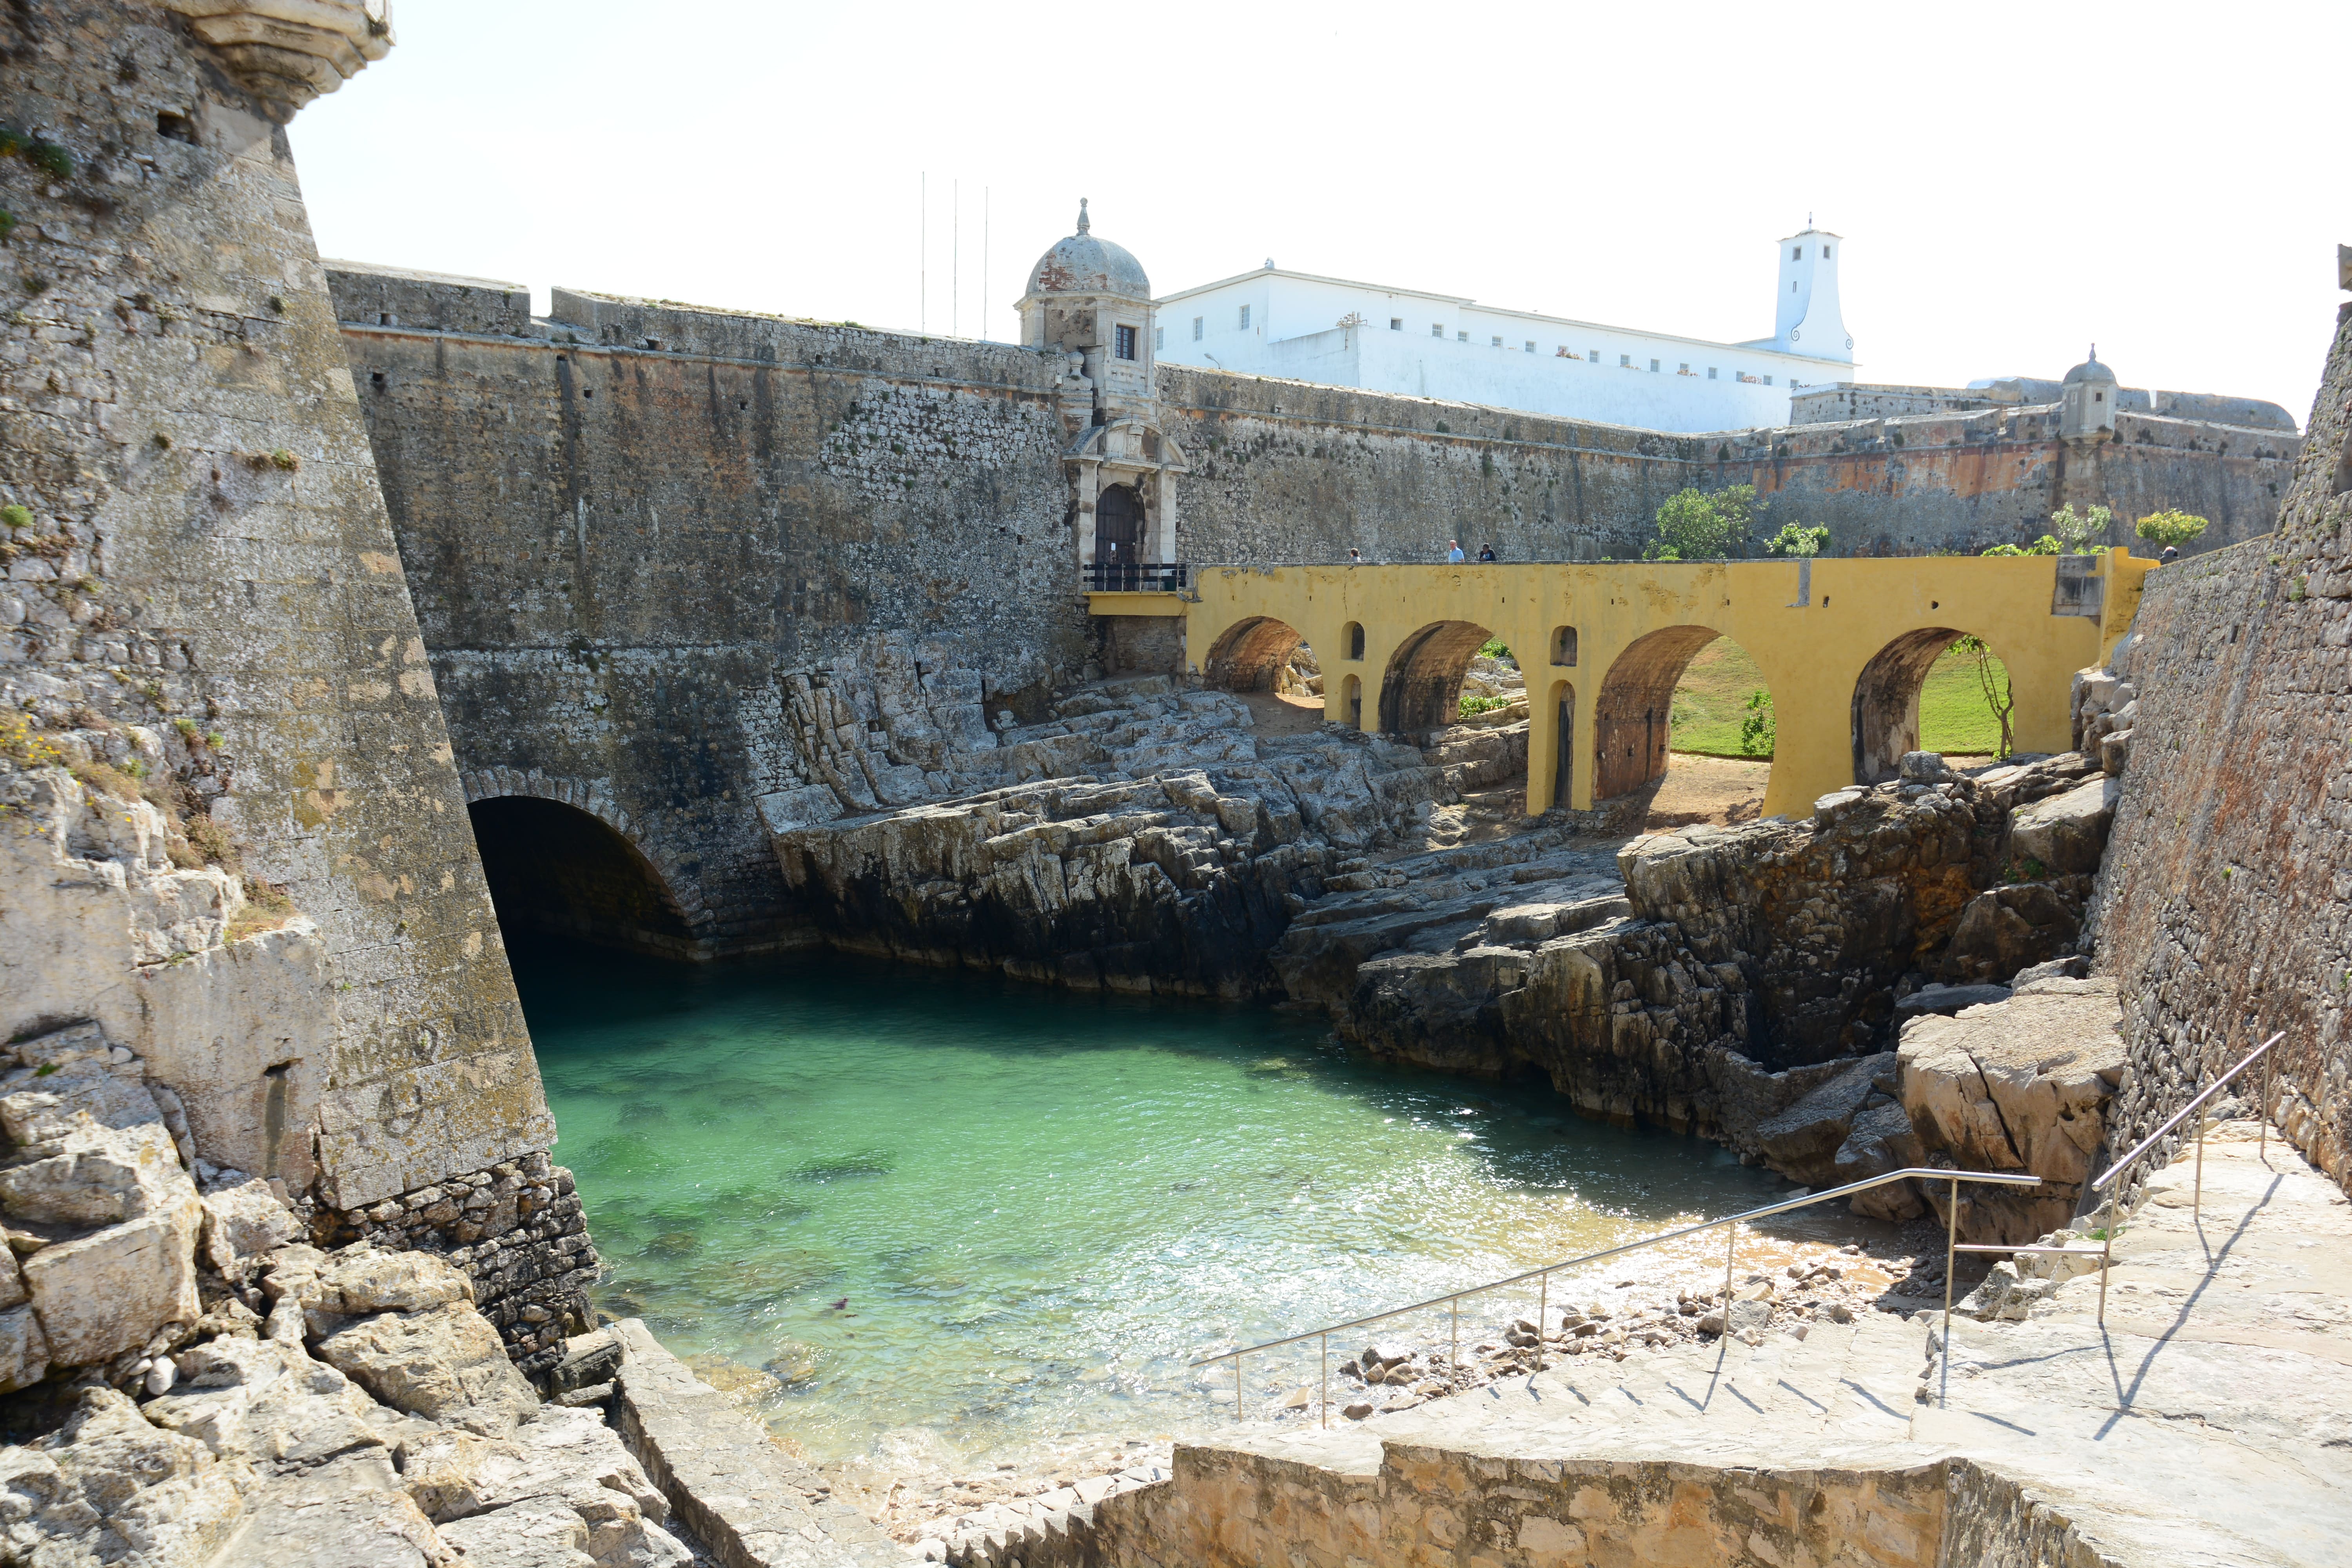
(258, 878)
(1289, 471)
(2222, 908)
(673, 563)
(641, 537)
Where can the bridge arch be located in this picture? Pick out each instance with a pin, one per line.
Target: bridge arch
(1633, 714)
(1422, 688)
(1887, 700)
(1245, 655)
(561, 858)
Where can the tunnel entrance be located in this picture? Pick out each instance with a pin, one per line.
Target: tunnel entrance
(1421, 688)
(557, 871)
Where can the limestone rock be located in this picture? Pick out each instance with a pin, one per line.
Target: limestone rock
(540, 1533)
(109, 1489)
(360, 1279)
(1803, 1143)
(2007, 929)
(348, 1510)
(243, 1222)
(2021, 1085)
(2067, 833)
(24, 1348)
(1947, 999)
(445, 1363)
(264, 1403)
(94, 1174)
(107, 1292)
(1879, 1140)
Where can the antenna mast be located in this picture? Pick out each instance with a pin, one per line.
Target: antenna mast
(955, 253)
(923, 255)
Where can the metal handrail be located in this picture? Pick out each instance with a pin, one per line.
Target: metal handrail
(2140, 1150)
(1542, 1276)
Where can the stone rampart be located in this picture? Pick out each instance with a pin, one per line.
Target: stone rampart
(1290, 471)
(2223, 909)
(630, 528)
(204, 607)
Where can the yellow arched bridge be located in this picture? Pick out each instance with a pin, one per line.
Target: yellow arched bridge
(1843, 646)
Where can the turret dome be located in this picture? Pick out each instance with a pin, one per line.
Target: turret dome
(1082, 264)
(2090, 373)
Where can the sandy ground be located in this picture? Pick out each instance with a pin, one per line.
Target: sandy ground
(1707, 789)
(1280, 715)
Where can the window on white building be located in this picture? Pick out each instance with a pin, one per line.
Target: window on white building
(1653, 367)
(1594, 356)
(1710, 372)
(1196, 329)
(1796, 253)
(1396, 323)
(1682, 369)
(1625, 360)
(1123, 342)
(1159, 339)
(1461, 337)
(1825, 253)
(1497, 341)
(1246, 317)
(1437, 328)
(1531, 346)
(1767, 381)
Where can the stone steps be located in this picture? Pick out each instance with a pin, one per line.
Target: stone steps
(2205, 1426)
(1047, 1531)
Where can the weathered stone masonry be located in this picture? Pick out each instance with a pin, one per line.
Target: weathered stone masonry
(208, 592)
(632, 529)
(2225, 909)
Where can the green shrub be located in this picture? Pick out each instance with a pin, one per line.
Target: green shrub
(1706, 525)
(2080, 531)
(2174, 528)
(1494, 648)
(1759, 729)
(1796, 540)
(16, 516)
(2045, 546)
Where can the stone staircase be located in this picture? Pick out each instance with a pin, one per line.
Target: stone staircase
(1049, 1530)
(2205, 1427)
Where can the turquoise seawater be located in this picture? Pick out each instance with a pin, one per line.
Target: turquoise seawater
(887, 1198)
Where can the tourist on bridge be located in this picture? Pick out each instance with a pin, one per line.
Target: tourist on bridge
(1453, 551)
(1355, 556)
(1486, 552)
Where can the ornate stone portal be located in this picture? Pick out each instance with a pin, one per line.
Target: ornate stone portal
(1091, 300)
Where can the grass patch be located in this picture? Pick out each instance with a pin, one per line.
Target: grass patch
(266, 907)
(1472, 706)
(1712, 702)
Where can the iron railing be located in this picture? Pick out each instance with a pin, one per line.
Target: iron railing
(1543, 1275)
(1136, 576)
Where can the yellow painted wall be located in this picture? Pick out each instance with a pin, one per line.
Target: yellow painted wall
(1811, 653)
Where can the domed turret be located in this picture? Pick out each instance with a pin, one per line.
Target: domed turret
(2086, 400)
(1089, 298)
(1082, 264)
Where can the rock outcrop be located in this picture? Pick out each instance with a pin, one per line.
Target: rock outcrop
(1146, 839)
(2021, 1085)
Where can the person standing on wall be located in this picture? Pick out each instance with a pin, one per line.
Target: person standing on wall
(1487, 553)
(1355, 556)
(1454, 551)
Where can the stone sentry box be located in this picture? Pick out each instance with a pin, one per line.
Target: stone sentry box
(1090, 300)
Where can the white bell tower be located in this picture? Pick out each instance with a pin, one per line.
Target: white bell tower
(1807, 321)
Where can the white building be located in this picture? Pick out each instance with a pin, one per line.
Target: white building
(1408, 341)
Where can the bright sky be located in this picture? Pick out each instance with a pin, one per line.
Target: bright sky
(2170, 180)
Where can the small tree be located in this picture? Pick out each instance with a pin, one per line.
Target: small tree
(1701, 525)
(1796, 539)
(2045, 546)
(1758, 731)
(2079, 532)
(1993, 682)
(2170, 528)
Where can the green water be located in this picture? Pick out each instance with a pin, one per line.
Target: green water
(1038, 1206)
